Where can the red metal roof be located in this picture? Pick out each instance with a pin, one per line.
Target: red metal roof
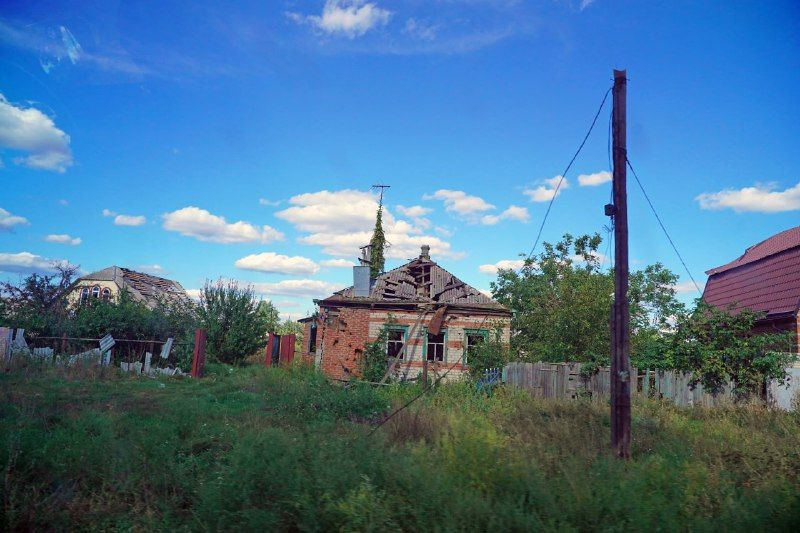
(777, 243)
(766, 278)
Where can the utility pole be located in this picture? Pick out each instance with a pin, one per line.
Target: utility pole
(382, 188)
(620, 323)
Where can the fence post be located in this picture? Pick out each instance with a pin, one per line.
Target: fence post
(271, 340)
(199, 358)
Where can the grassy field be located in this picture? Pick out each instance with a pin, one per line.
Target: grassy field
(274, 449)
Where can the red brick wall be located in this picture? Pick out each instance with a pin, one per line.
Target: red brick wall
(342, 338)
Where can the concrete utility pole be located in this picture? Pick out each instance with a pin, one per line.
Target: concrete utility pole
(620, 324)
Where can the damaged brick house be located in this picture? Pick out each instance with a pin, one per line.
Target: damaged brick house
(433, 319)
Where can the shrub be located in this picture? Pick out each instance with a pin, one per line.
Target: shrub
(237, 323)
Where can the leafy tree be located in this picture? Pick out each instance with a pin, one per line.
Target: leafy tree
(493, 353)
(718, 345)
(237, 323)
(562, 298)
(38, 303)
(374, 363)
(377, 261)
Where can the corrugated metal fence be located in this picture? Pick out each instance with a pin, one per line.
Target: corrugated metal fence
(564, 380)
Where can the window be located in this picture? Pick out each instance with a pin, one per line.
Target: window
(96, 291)
(106, 294)
(84, 295)
(312, 338)
(434, 348)
(473, 338)
(395, 341)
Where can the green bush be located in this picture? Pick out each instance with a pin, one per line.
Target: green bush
(237, 323)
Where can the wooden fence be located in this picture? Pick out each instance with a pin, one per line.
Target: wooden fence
(564, 380)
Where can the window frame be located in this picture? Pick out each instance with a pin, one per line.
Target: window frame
(96, 291)
(84, 295)
(404, 340)
(312, 336)
(472, 331)
(443, 333)
(105, 294)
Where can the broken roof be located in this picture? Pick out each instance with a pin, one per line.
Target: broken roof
(765, 278)
(419, 281)
(143, 287)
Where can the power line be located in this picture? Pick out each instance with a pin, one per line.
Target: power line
(563, 174)
(660, 223)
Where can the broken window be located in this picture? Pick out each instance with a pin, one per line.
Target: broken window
(312, 338)
(434, 349)
(394, 342)
(106, 294)
(474, 338)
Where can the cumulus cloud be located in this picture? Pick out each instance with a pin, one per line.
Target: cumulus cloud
(762, 198)
(271, 203)
(512, 213)
(28, 130)
(202, 225)
(8, 221)
(417, 214)
(505, 264)
(342, 221)
(28, 263)
(350, 18)
(337, 263)
(460, 203)
(547, 190)
(592, 180)
(130, 220)
(273, 263)
(194, 294)
(299, 288)
(63, 238)
(125, 220)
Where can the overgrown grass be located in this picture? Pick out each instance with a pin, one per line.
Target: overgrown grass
(274, 449)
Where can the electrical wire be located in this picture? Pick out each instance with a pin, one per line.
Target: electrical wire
(564, 174)
(660, 223)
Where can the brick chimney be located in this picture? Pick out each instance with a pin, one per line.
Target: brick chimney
(425, 254)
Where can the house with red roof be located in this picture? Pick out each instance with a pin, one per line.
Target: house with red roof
(766, 278)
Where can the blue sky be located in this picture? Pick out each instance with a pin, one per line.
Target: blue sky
(198, 141)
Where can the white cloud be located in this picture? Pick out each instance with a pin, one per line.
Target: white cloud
(273, 263)
(125, 220)
(351, 18)
(585, 4)
(505, 264)
(444, 232)
(129, 220)
(63, 202)
(342, 221)
(27, 263)
(63, 238)
(460, 203)
(153, 270)
(198, 223)
(420, 30)
(685, 287)
(8, 221)
(31, 131)
(414, 211)
(591, 180)
(547, 190)
(272, 203)
(300, 288)
(762, 198)
(337, 263)
(194, 294)
(512, 213)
